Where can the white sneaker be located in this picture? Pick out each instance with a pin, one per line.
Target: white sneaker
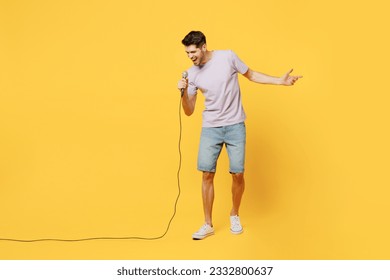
(235, 225)
(203, 232)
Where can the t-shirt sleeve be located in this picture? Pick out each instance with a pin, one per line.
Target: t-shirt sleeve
(192, 89)
(238, 64)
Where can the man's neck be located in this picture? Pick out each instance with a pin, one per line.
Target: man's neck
(208, 56)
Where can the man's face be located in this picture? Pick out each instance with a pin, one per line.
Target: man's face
(197, 55)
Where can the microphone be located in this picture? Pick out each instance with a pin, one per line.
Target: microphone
(184, 75)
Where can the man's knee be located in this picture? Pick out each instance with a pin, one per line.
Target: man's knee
(208, 177)
(238, 177)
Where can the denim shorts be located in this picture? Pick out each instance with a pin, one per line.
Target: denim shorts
(212, 140)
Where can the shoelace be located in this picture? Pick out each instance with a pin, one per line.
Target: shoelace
(236, 222)
(204, 228)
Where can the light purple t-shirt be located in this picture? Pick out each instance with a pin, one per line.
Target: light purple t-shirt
(218, 81)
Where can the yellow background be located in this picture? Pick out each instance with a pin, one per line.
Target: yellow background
(89, 129)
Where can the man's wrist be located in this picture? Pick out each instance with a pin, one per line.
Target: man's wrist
(279, 81)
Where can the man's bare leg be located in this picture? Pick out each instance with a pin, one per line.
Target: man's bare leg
(208, 196)
(238, 188)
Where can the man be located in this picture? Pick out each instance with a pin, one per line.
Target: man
(214, 73)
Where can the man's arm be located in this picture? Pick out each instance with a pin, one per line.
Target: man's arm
(261, 78)
(188, 101)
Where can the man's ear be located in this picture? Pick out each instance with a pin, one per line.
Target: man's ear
(204, 47)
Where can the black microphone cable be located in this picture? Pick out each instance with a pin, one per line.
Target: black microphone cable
(124, 237)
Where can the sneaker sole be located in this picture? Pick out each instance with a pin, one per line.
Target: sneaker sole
(236, 232)
(200, 237)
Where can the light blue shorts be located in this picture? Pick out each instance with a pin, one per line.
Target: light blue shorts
(212, 140)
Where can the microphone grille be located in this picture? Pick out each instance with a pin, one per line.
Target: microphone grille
(184, 74)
